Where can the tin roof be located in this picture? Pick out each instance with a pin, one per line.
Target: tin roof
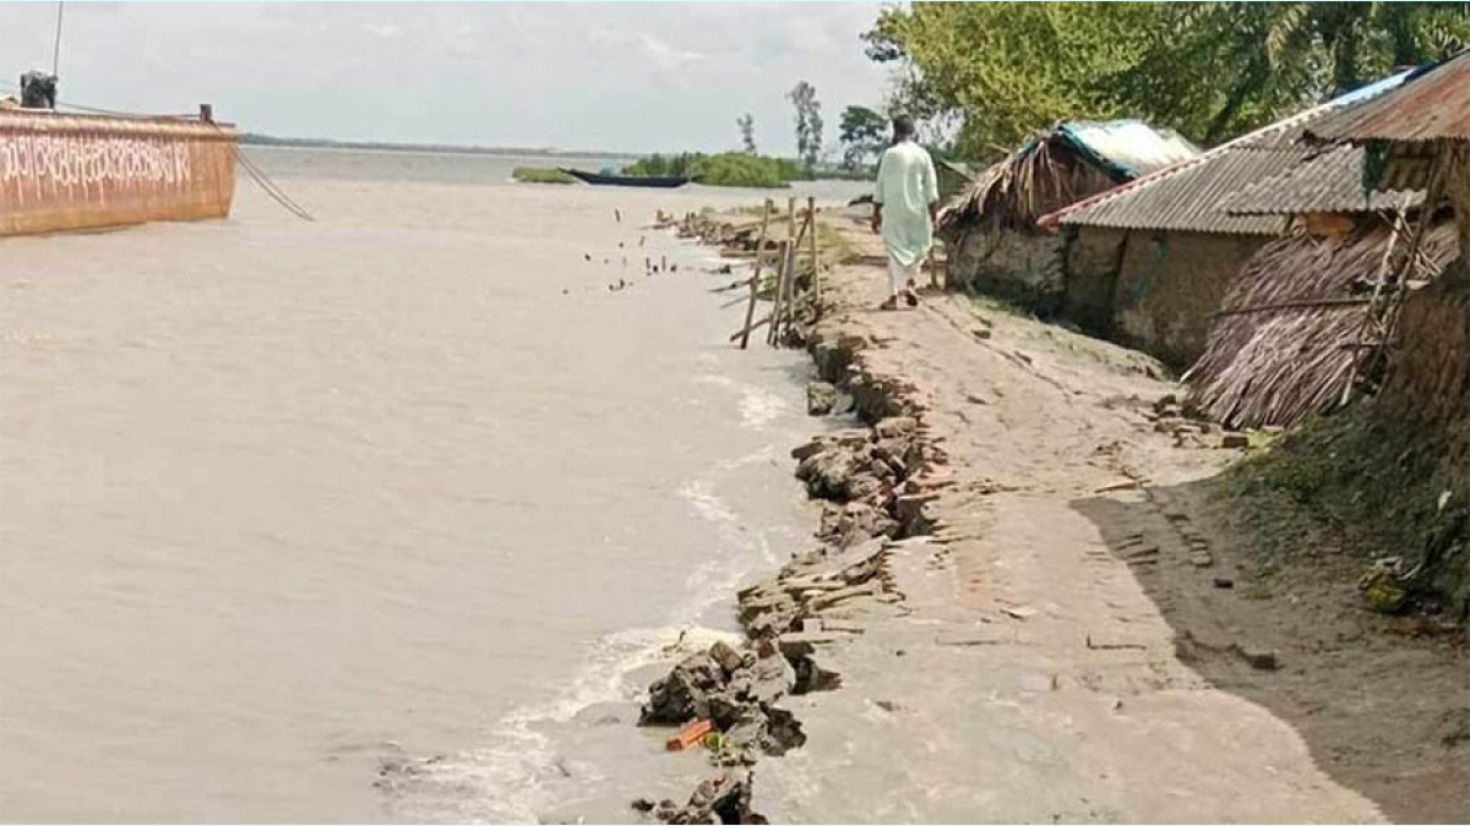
(1189, 195)
(1128, 147)
(1330, 182)
(1432, 104)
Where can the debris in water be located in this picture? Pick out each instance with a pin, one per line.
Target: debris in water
(689, 734)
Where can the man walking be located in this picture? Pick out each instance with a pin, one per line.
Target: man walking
(904, 203)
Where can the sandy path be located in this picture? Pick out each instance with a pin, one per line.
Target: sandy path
(1033, 680)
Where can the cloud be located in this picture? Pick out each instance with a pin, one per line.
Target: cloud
(382, 31)
(635, 76)
(646, 46)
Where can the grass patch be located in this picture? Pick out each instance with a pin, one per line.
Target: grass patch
(1366, 488)
(541, 175)
(986, 302)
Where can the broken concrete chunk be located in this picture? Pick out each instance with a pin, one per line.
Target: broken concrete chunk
(895, 427)
(1259, 659)
(803, 643)
(684, 694)
(728, 658)
(820, 397)
(834, 597)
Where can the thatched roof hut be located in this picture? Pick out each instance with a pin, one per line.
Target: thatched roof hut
(1061, 165)
(997, 247)
(1314, 310)
(1149, 262)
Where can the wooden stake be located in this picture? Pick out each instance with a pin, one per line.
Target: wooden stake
(811, 208)
(780, 294)
(745, 334)
(755, 279)
(788, 300)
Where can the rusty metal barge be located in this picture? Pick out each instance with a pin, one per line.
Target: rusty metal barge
(61, 172)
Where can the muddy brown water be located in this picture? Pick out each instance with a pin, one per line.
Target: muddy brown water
(282, 504)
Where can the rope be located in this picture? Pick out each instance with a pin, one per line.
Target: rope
(255, 172)
(275, 192)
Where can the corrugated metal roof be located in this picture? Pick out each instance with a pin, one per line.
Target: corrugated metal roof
(1433, 104)
(1331, 182)
(1130, 147)
(1188, 196)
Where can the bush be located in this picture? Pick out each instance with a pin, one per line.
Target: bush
(538, 175)
(724, 169)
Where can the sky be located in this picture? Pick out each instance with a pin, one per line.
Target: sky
(637, 77)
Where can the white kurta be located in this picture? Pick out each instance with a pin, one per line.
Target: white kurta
(906, 187)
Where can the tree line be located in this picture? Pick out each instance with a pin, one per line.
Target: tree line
(990, 74)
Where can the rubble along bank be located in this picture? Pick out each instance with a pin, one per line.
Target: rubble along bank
(873, 482)
(1062, 598)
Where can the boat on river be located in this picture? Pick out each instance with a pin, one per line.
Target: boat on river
(61, 172)
(653, 181)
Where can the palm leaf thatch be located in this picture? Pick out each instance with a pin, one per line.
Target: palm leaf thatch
(1040, 177)
(1285, 342)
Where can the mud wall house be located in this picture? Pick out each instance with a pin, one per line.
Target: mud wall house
(1149, 262)
(998, 247)
(1417, 136)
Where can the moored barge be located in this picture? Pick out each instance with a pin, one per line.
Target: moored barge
(62, 172)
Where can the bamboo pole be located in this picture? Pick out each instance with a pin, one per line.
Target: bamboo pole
(747, 331)
(791, 312)
(780, 293)
(1384, 317)
(811, 208)
(788, 305)
(755, 278)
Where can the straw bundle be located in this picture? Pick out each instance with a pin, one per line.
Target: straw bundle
(1285, 342)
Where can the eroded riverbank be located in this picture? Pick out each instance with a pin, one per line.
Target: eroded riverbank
(1020, 661)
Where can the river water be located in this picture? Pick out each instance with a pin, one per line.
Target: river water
(285, 503)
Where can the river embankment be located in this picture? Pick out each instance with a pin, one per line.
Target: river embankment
(1022, 602)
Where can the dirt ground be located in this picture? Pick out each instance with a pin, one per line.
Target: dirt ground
(1087, 637)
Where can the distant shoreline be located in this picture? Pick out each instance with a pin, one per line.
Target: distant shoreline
(255, 139)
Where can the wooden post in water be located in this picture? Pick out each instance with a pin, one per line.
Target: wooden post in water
(779, 297)
(791, 219)
(788, 304)
(755, 278)
(811, 209)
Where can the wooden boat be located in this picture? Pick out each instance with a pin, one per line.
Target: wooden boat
(654, 181)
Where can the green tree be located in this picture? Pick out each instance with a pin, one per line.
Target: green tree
(808, 122)
(746, 122)
(1209, 70)
(862, 133)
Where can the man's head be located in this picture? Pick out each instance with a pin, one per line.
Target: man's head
(903, 128)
